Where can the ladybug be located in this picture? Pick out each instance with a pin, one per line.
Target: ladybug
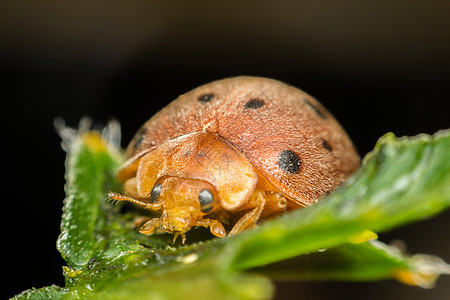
(233, 152)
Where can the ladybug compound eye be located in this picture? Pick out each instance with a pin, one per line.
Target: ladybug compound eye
(155, 192)
(206, 201)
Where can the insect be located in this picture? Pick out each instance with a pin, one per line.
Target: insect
(233, 152)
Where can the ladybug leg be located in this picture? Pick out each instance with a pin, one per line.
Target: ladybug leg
(248, 221)
(276, 204)
(139, 221)
(215, 226)
(150, 226)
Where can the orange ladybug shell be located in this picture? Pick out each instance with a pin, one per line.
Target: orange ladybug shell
(287, 135)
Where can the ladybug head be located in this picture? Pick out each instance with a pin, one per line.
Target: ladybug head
(184, 202)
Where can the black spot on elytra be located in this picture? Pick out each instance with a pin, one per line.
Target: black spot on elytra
(254, 104)
(316, 110)
(289, 161)
(326, 145)
(140, 137)
(206, 97)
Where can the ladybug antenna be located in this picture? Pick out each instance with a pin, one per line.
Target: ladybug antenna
(143, 204)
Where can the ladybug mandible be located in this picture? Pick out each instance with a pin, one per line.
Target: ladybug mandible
(233, 152)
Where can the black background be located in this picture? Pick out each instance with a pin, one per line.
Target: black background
(378, 66)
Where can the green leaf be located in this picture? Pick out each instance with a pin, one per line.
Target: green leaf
(359, 262)
(49, 292)
(403, 180)
(82, 213)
